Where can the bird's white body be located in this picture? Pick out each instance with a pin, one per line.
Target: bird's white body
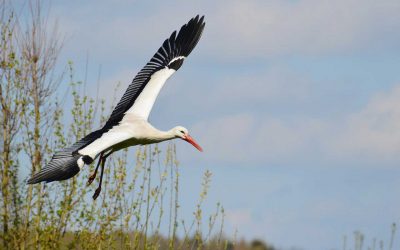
(134, 129)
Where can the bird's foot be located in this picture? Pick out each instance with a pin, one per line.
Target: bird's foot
(96, 193)
(91, 179)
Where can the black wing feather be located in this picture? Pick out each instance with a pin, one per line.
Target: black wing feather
(63, 165)
(175, 46)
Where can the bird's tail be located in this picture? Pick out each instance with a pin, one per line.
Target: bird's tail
(62, 166)
(66, 163)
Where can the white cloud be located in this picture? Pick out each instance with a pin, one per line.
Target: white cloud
(245, 138)
(239, 218)
(274, 84)
(235, 30)
(245, 223)
(373, 134)
(127, 30)
(260, 28)
(368, 137)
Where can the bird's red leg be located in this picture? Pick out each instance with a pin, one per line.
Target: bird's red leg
(93, 176)
(98, 190)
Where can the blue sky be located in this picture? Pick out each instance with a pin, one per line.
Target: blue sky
(296, 104)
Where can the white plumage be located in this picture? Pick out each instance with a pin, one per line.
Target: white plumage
(145, 101)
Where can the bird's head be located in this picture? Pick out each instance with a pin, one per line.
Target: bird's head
(183, 133)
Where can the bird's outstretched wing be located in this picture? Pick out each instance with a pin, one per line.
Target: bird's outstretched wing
(143, 91)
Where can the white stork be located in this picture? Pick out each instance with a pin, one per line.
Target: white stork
(128, 124)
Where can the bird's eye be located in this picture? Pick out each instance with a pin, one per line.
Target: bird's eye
(182, 131)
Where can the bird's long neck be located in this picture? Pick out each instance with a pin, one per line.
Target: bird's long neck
(163, 135)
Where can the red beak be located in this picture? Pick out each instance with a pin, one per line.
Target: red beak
(189, 139)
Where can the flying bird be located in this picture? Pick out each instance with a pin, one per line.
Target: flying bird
(128, 124)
